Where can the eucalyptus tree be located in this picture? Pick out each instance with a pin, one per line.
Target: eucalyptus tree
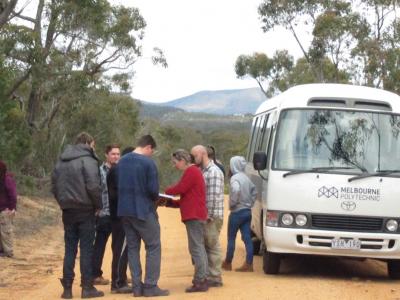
(354, 41)
(69, 46)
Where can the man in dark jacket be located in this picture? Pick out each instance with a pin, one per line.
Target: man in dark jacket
(119, 264)
(76, 187)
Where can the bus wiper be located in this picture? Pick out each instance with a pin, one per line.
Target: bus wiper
(377, 173)
(315, 170)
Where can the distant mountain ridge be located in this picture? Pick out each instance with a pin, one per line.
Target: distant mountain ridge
(221, 102)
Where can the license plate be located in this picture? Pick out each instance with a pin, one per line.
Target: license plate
(346, 244)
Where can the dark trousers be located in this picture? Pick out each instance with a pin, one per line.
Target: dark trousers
(240, 220)
(83, 233)
(119, 248)
(195, 234)
(148, 231)
(103, 231)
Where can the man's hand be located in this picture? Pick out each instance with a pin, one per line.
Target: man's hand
(97, 212)
(161, 201)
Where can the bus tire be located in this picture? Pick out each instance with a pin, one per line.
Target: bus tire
(271, 262)
(393, 267)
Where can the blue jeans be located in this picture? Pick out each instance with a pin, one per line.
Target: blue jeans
(240, 220)
(82, 233)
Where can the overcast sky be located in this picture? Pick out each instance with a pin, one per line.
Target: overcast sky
(201, 41)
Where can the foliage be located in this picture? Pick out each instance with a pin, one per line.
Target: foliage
(351, 41)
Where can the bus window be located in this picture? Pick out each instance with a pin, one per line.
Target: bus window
(252, 139)
(265, 136)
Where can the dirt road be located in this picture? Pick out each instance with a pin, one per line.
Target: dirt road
(301, 278)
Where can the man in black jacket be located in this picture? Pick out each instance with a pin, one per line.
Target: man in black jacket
(76, 187)
(119, 265)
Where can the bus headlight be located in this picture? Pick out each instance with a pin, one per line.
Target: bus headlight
(392, 225)
(301, 220)
(287, 219)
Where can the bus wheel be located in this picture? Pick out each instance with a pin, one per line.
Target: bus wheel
(271, 262)
(393, 267)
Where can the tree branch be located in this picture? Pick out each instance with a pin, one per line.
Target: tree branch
(18, 83)
(38, 23)
(7, 11)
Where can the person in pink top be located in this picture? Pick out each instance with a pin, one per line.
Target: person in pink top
(192, 203)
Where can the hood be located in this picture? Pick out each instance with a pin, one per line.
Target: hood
(75, 151)
(237, 164)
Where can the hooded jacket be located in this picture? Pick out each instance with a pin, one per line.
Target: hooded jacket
(242, 192)
(76, 179)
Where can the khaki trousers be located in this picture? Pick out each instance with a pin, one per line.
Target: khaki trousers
(213, 249)
(6, 233)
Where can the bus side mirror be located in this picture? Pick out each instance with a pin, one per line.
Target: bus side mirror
(259, 161)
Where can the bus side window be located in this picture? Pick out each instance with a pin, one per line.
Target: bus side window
(259, 132)
(265, 135)
(253, 137)
(267, 141)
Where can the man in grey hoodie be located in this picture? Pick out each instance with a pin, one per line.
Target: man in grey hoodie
(242, 194)
(76, 187)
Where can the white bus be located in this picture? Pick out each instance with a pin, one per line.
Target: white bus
(326, 162)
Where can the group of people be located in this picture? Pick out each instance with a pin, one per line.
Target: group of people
(120, 198)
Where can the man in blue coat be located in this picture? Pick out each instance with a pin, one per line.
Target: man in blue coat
(137, 196)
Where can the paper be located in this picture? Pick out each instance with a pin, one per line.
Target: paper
(166, 196)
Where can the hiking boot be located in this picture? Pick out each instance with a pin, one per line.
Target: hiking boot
(245, 268)
(89, 291)
(101, 281)
(198, 286)
(227, 266)
(67, 285)
(154, 291)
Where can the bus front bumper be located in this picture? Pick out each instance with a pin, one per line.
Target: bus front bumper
(319, 242)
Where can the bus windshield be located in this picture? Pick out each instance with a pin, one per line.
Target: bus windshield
(337, 140)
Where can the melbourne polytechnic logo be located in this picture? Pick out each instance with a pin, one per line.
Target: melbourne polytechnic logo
(328, 192)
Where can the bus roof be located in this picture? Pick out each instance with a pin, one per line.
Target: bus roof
(299, 96)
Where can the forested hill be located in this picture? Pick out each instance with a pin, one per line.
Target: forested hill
(222, 102)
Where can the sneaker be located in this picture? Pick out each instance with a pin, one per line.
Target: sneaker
(9, 255)
(213, 283)
(154, 291)
(198, 286)
(101, 281)
(125, 289)
(137, 291)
